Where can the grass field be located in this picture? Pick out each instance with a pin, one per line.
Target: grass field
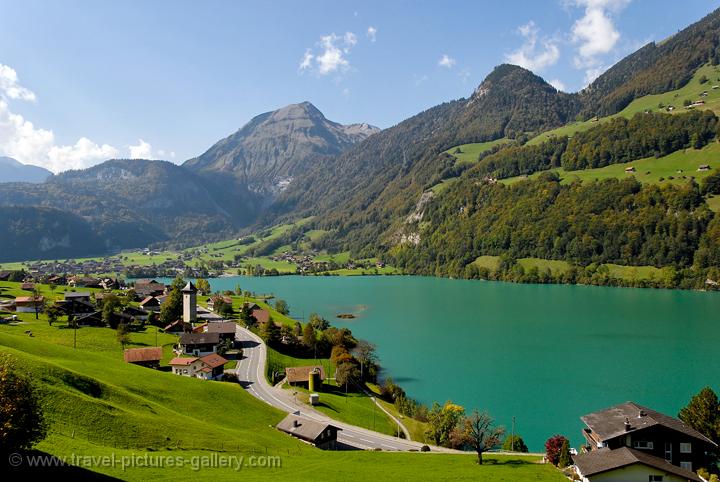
(651, 103)
(469, 152)
(649, 170)
(97, 405)
(714, 203)
(556, 267)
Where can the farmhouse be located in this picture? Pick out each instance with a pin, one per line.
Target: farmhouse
(704, 167)
(78, 296)
(147, 357)
(261, 316)
(27, 286)
(148, 287)
(653, 433)
(226, 329)
(311, 377)
(630, 169)
(29, 304)
(321, 435)
(213, 300)
(178, 326)
(90, 319)
(150, 303)
(198, 344)
(209, 367)
(628, 465)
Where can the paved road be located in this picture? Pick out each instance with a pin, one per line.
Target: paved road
(251, 374)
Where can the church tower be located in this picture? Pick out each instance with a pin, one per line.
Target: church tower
(189, 293)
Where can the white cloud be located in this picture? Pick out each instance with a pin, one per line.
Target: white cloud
(536, 53)
(595, 33)
(10, 88)
(372, 33)
(447, 61)
(84, 153)
(143, 150)
(558, 84)
(331, 55)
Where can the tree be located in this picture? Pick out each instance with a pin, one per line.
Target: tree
(109, 305)
(203, 286)
(564, 458)
(553, 448)
(703, 414)
(238, 290)
(477, 432)
(308, 337)
(514, 443)
(282, 307)
(442, 420)
(122, 335)
(22, 422)
(365, 353)
(37, 301)
(345, 373)
(53, 313)
(270, 333)
(318, 322)
(152, 318)
(171, 309)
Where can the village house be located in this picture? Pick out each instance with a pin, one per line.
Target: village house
(150, 303)
(148, 287)
(27, 286)
(212, 301)
(208, 367)
(704, 167)
(653, 433)
(178, 326)
(261, 316)
(629, 169)
(226, 329)
(198, 344)
(89, 319)
(320, 434)
(74, 307)
(628, 465)
(310, 377)
(29, 304)
(78, 296)
(148, 357)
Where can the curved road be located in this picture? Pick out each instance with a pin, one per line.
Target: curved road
(250, 372)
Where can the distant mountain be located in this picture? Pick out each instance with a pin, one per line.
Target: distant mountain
(362, 193)
(133, 203)
(275, 147)
(14, 171)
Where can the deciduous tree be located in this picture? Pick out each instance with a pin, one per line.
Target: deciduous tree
(22, 423)
(477, 432)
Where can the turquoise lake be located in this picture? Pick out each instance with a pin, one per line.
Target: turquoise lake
(545, 354)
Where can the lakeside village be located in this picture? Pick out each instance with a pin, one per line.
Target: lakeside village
(626, 442)
(306, 263)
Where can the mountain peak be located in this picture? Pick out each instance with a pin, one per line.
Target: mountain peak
(509, 75)
(13, 170)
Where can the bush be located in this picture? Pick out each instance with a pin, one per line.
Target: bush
(553, 448)
(514, 443)
(22, 423)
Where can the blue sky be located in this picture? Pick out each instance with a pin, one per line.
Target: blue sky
(81, 81)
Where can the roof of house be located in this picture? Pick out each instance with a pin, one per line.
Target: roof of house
(152, 353)
(223, 327)
(303, 428)
(301, 374)
(213, 360)
(610, 422)
(149, 300)
(77, 294)
(604, 460)
(183, 361)
(262, 316)
(28, 299)
(199, 338)
(176, 324)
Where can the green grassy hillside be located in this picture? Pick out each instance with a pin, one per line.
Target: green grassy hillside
(676, 168)
(99, 406)
(468, 153)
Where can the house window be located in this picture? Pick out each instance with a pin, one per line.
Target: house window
(655, 478)
(685, 448)
(686, 466)
(643, 444)
(668, 452)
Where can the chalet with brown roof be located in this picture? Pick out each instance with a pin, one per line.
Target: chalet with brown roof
(147, 357)
(260, 315)
(626, 465)
(320, 434)
(29, 304)
(226, 329)
(653, 433)
(89, 319)
(150, 303)
(27, 286)
(178, 326)
(78, 296)
(208, 367)
(198, 344)
(148, 287)
(301, 376)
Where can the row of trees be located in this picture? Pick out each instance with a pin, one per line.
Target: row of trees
(619, 140)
